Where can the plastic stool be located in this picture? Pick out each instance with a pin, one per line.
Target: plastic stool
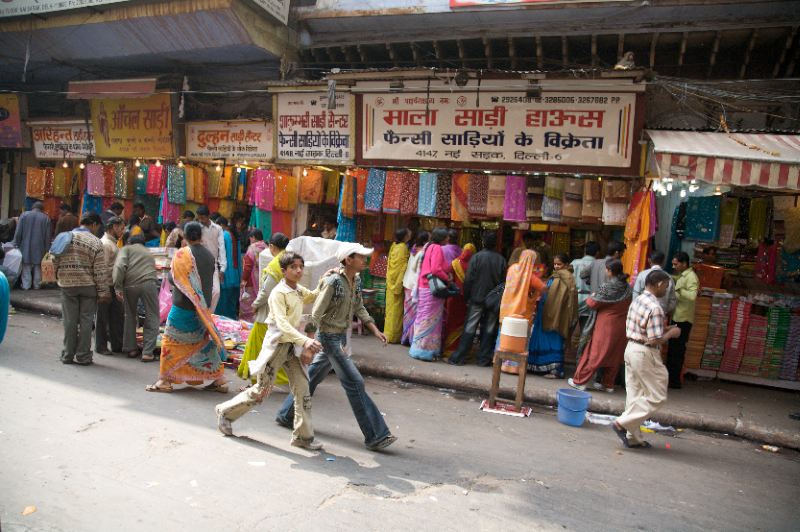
(499, 358)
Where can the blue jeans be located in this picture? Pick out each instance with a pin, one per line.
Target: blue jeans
(488, 319)
(333, 356)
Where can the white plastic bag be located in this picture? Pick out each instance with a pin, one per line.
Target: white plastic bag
(13, 260)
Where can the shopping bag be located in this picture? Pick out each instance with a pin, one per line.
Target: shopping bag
(164, 300)
(48, 269)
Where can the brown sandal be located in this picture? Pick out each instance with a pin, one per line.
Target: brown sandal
(156, 388)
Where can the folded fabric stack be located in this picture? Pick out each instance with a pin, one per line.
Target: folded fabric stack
(572, 206)
(592, 210)
(747, 261)
(717, 331)
(379, 311)
(728, 258)
(697, 337)
(756, 341)
(777, 333)
(737, 335)
(791, 352)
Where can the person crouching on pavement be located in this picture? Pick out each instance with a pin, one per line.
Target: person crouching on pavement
(331, 317)
(646, 377)
(280, 350)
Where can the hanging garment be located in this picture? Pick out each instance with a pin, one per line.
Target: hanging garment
(427, 194)
(261, 219)
(496, 196)
(554, 187)
(391, 192)
(702, 218)
(533, 208)
(615, 213)
(60, 182)
(409, 194)
(48, 182)
(94, 179)
(373, 197)
(312, 187)
(282, 184)
(551, 209)
(478, 198)
(460, 198)
(637, 234)
(109, 176)
(535, 184)
(361, 176)
(515, 199)
(592, 190)
(214, 179)
(120, 181)
(444, 189)
(141, 180)
(189, 172)
(332, 189)
(176, 185)
(616, 191)
(758, 220)
(264, 191)
(728, 220)
(154, 187)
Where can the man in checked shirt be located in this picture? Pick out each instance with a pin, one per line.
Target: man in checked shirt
(646, 377)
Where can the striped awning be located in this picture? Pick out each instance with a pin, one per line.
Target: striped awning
(764, 160)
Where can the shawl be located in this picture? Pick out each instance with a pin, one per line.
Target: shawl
(154, 180)
(347, 203)
(120, 181)
(614, 291)
(264, 194)
(460, 198)
(332, 191)
(141, 180)
(444, 187)
(184, 275)
(478, 197)
(213, 178)
(517, 297)
(391, 192)
(514, 209)
(109, 176)
(462, 262)
(274, 267)
(312, 187)
(427, 195)
(373, 197)
(409, 194)
(94, 180)
(176, 185)
(561, 306)
(496, 196)
(361, 177)
(398, 260)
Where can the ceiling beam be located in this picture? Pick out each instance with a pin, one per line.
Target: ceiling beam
(714, 49)
(748, 53)
(414, 51)
(331, 53)
(487, 51)
(348, 56)
(790, 66)
(392, 54)
(653, 49)
(786, 48)
(539, 53)
(362, 51)
(462, 53)
(512, 53)
(620, 47)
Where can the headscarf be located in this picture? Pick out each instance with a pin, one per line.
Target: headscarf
(517, 298)
(614, 291)
(460, 264)
(274, 267)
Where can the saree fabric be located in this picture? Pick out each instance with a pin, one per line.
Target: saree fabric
(154, 180)
(457, 305)
(284, 182)
(409, 194)
(702, 219)
(391, 192)
(176, 185)
(94, 180)
(496, 196)
(426, 205)
(478, 198)
(444, 188)
(638, 231)
(519, 295)
(229, 288)
(460, 197)
(191, 347)
(332, 189)
(515, 199)
(373, 197)
(60, 182)
(361, 177)
(260, 219)
(398, 260)
(545, 348)
(109, 175)
(141, 180)
(120, 181)
(312, 188)
(561, 309)
(264, 194)
(427, 344)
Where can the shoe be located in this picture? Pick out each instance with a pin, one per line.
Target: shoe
(280, 422)
(87, 363)
(580, 387)
(675, 386)
(600, 387)
(314, 445)
(106, 353)
(450, 361)
(383, 444)
(65, 361)
(224, 425)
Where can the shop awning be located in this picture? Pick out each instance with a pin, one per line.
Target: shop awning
(718, 158)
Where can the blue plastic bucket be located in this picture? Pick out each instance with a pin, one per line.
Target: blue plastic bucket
(572, 406)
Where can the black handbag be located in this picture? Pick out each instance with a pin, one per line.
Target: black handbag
(440, 289)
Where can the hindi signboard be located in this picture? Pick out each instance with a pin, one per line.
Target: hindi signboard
(277, 8)
(17, 8)
(571, 128)
(133, 127)
(308, 131)
(62, 139)
(10, 123)
(229, 140)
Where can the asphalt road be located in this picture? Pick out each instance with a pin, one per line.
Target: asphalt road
(91, 450)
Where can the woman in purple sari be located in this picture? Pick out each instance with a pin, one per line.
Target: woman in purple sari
(427, 343)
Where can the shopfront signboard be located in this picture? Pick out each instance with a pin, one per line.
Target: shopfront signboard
(277, 8)
(564, 129)
(516, 3)
(308, 131)
(62, 139)
(133, 127)
(229, 140)
(17, 8)
(10, 124)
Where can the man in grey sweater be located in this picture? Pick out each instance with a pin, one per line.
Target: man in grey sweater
(135, 279)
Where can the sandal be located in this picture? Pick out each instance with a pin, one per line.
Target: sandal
(151, 359)
(221, 388)
(384, 444)
(156, 388)
(552, 376)
(643, 445)
(622, 433)
(134, 354)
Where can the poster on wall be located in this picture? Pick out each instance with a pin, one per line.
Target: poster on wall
(10, 124)
(229, 140)
(133, 127)
(308, 131)
(62, 139)
(16, 8)
(591, 129)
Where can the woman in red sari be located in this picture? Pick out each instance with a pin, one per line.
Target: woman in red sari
(456, 306)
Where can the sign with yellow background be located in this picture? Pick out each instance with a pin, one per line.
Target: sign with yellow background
(132, 127)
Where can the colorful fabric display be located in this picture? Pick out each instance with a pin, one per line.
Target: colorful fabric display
(264, 192)
(766, 263)
(109, 176)
(478, 197)
(533, 207)
(283, 184)
(444, 189)
(312, 187)
(332, 191)
(48, 182)
(361, 176)
(94, 179)
(496, 196)
(214, 179)
(261, 219)
(535, 184)
(702, 218)
(616, 191)
(391, 192)
(373, 196)
(409, 194)
(551, 209)
(615, 213)
(347, 202)
(176, 185)
(141, 180)
(515, 200)
(227, 208)
(554, 187)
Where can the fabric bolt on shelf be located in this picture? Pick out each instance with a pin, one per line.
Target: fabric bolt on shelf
(427, 196)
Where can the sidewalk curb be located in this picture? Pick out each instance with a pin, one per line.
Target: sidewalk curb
(437, 379)
(729, 426)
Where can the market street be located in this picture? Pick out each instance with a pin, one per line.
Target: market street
(91, 450)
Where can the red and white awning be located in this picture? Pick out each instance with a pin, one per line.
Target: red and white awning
(718, 159)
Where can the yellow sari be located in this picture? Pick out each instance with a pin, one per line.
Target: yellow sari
(398, 260)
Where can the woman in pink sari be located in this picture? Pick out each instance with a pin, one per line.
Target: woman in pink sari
(427, 343)
(251, 277)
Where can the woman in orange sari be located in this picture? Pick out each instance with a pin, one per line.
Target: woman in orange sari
(457, 305)
(523, 286)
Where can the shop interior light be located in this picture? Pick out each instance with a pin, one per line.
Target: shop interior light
(487, 171)
(158, 163)
(137, 163)
(663, 192)
(82, 166)
(305, 172)
(669, 187)
(65, 165)
(599, 178)
(244, 163)
(683, 192)
(718, 191)
(218, 167)
(180, 163)
(692, 188)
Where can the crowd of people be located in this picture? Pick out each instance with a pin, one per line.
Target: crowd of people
(440, 299)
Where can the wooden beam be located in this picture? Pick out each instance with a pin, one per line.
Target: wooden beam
(564, 52)
(653, 49)
(684, 41)
(437, 50)
(714, 49)
(487, 51)
(317, 55)
(462, 53)
(349, 57)
(594, 50)
(362, 51)
(512, 53)
(539, 53)
(414, 51)
(331, 53)
(620, 47)
(392, 54)
(787, 47)
(748, 53)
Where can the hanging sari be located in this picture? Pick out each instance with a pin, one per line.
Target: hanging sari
(427, 344)
(250, 274)
(191, 347)
(398, 260)
(457, 305)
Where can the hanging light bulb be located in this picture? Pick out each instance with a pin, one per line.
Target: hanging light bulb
(663, 192)
(718, 192)
(82, 166)
(305, 172)
(218, 168)
(180, 163)
(158, 163)
(137, 163)
(244, 163)
(599, 178)
(692, 188)
(683, 192)
(65, 165)
(669, 187)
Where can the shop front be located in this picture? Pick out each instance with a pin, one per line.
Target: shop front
(731, 201)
